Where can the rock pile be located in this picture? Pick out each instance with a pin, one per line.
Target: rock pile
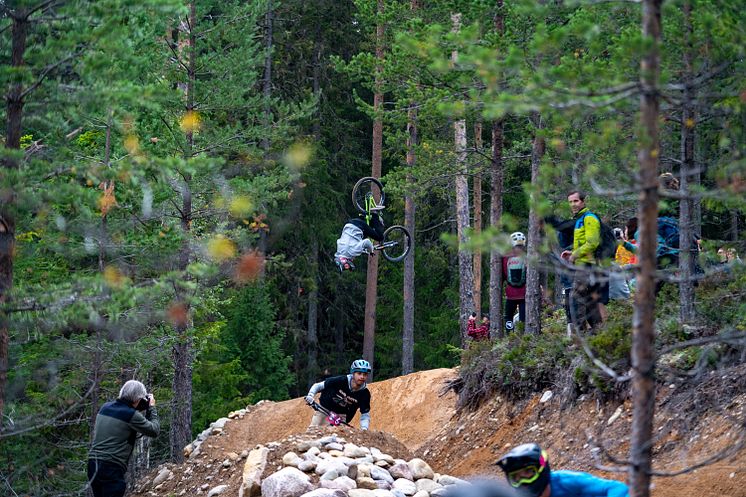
(331, 467)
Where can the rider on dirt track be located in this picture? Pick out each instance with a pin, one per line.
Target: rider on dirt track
(344, 395)
(527, 470)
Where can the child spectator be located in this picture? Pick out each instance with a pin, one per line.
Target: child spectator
(481, 332)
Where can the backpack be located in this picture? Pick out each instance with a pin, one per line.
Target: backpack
(607, 246)
(668, 230)
(516, 276)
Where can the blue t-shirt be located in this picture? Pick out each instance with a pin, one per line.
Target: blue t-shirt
(576, 484)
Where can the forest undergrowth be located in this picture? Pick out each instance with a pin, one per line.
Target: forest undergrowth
(520, 365)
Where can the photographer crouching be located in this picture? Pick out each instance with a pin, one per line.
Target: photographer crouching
(117, 426)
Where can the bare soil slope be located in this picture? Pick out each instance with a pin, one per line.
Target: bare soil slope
(410, 417)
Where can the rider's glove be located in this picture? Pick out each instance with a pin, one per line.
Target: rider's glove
(309, 399)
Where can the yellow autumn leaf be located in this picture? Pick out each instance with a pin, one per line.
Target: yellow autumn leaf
(689, 123)
(113, 277)
(240, 206)
(298, 155)
(132, 144)
(190, 122)
(221, 248)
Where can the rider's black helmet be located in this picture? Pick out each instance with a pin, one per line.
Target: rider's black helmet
(527, 469)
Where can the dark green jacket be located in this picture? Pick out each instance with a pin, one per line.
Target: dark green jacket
(118, 425)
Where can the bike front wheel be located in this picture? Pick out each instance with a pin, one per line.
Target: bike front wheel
(366, 188)
(397, 242)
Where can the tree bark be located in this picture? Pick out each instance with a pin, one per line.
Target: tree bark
(267, 79)
(533, 286)
(686, 227)
(643, 334)
(478, 222)
(14, 115)
(409, 216)
(181, 423)
(496, 207)
(466, 272)
(371, 286)
(313, 316)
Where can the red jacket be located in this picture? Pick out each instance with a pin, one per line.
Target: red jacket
(481, 332)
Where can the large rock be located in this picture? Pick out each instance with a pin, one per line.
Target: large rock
(401, 470)
(288, 482)
(326, 465)
(352, 450)
(406, 486)
(342, 483)
(450, 480)
(291, 459)
(361, 492)
(255, 464)
(325, 492)
(421, 493)
(420, 469)
(383, 493)
(380, 474)
(217, 490)
(367, 483)
(427, 485)
(307, 466)
(162, 476)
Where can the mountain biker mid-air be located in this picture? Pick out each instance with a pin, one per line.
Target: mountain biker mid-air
(356, 235)
(344, 395)
(527, 469)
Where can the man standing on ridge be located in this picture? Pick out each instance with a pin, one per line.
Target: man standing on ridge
(585, 295)
(344, 395)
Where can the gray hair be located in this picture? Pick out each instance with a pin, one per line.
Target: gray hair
(132, 391)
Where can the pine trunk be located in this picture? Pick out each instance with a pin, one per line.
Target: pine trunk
(267, 79)
(312, 338)
(478, 221)
(686, 227)
(409, 216)
(181, 423)
(533, 283)
(466, 271)
(14, 115)
(371, 286)
(496, 207)
(643, 334)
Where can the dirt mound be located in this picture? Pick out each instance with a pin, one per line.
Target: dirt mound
(409, 417)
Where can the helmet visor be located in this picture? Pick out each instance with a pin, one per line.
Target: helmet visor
(524, 476)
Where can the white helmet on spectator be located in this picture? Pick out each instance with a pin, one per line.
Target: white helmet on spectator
(518, 238)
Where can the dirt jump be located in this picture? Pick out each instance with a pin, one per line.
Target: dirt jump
(412, 417)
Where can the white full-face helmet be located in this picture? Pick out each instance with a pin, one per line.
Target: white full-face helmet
(518, 238)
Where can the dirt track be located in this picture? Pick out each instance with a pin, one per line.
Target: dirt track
(408, 416)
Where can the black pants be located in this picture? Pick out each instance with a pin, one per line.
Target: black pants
(511, 306)
(374, 230)
(585, 297)
(106, 478)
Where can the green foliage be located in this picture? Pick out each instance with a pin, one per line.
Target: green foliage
(252, 337)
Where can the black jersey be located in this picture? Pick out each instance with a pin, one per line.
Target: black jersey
(338, 397)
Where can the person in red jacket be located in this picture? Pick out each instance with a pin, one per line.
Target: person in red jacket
(481, 332)
(514, 275)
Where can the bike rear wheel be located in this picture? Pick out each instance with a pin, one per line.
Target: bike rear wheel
(365, 187)
(396, 243)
